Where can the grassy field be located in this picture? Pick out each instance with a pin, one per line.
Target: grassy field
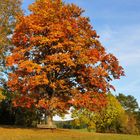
(59, 134)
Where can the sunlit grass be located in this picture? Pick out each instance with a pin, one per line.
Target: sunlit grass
(59, 134)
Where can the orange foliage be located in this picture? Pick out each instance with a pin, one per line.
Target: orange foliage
(58, 57)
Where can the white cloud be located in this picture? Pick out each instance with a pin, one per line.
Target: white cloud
(124, 43)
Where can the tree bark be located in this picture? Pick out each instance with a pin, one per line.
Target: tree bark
(49, 121)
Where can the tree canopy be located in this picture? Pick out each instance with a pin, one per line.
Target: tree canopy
(109, 119)
(9, 10)
(1, 95)
(58, 60)
(129, 103)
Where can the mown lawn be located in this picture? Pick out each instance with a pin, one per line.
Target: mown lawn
(59, 134)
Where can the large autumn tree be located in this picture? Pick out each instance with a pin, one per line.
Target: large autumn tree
(59, 61)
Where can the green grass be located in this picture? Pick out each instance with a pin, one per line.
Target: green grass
(59, 134)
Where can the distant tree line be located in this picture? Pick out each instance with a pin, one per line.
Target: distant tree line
(121, 115)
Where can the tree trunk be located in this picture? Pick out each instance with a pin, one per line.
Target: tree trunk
(45, 118)
(49, 121)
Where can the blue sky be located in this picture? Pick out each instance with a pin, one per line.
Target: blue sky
(118, 24)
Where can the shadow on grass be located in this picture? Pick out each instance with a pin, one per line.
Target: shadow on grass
(14, 127)
(34, 128)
